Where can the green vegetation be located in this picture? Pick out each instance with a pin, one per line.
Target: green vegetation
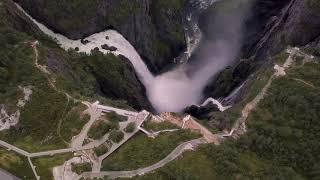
(15, 164)
(114, 117)
(45, 108)
(100, 128)
(142, 151)
(68, 15)
(80, 168)
(102, 149)
(225, 120)
(286, 122)
(281, 58)
(50, 119)
(221, 162)
(153, 126)
(73, 122)
(130, 127)
(44, 165)
(314, 4)
(86, 76)
(281, 142)
(116, 136)
(166, 15)
(116, 78)
(121, 11)
(37, 128)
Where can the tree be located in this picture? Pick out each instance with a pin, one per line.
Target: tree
(116, 136)
(130, 127)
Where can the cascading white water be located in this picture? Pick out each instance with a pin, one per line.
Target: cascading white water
(171, 91)
(96, 41)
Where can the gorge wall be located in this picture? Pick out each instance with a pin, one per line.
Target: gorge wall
(272, 26)
(156, 26)
(153, 27)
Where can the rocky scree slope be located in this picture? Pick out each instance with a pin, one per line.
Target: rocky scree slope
(153, 27)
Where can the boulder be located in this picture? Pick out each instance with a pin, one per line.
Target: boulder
(108, 48)
(84, 41)
(202, 112)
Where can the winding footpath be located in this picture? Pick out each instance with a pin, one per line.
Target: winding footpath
(237, 130)
(77, 143)
(95, 110)
(190, 145)
(239, 127)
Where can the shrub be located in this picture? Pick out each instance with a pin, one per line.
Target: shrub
(116, 136)
(100, 128)
(80, 168)
(130, 127)
(113, 116)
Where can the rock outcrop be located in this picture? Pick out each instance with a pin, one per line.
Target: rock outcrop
(271, 27)
(76, 73)
(17, 19)
(300, 26)
(153, 27)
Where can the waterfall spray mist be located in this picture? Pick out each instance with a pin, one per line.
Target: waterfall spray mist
(173, 91)
(183, 86)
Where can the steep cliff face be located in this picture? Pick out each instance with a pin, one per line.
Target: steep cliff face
(271, 27)
(153, 27)
(300, 26)
(108, 78)
(11, 17)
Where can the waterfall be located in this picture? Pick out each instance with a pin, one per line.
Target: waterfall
(171, 91)
(109, 37)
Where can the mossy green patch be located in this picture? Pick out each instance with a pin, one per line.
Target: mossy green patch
(142, 151)
(154, 126)
(15, 164)
(100, 128)
(45, 165)
(80, 168)
(73, 122)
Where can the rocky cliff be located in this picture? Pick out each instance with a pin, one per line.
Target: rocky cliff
(153, 27)
(300, 25)
(104, 77)
(271, 27)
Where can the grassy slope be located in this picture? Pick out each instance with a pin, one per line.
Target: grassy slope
(44, 165)
(49, 120)
(142, 151)
(15, 164)
(37, 129)
(281, 142)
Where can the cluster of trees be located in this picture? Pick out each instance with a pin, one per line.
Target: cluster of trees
(80, 168)
(116, 136)
(100, 128)
(130, 127)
